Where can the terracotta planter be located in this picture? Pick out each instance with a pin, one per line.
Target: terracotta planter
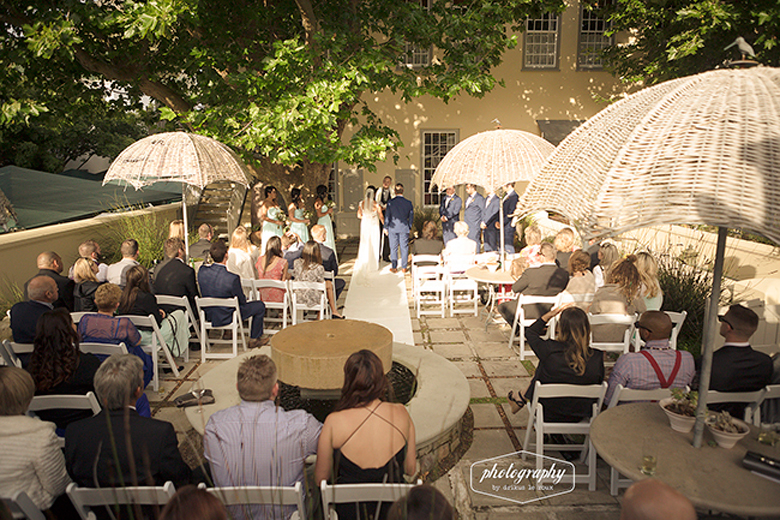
(679, 423)
(727, 440)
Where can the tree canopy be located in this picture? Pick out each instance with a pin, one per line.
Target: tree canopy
(675, 38)
(278, 80)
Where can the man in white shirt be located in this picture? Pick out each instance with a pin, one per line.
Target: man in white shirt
(118, 271)
(91, 250)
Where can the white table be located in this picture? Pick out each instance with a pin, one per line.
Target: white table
(492, 279)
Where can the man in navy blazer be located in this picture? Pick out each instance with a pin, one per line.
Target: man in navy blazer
(43, 292)
(217, 282)
(399, 217)
(472, 214)
(489, 223)
(509, 205)
(449, 210)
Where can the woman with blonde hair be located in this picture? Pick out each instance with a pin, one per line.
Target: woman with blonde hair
(85, 275)
(648, 273)
(620, 295)
(176, 230)
(308, 268)
(608, 256)
(533, 240)
(242, 255)
(566, 359)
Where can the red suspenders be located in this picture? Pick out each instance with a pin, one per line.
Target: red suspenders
(654, 364)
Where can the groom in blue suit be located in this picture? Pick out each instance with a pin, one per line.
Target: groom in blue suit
(399, 216)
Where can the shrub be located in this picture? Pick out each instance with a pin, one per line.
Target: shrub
(148, 228)
(421, 216)
(10, 294)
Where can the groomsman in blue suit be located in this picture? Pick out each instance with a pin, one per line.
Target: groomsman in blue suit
(489, 223)
(399, 217)
(449, 209)
(475, 206)
(510, 204)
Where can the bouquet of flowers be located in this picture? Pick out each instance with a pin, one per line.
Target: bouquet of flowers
(308, 215)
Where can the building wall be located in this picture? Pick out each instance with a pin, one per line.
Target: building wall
(567, 93)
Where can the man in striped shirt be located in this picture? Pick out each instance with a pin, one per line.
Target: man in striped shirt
(257, 443)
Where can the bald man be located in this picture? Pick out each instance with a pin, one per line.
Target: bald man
(651, 499)
(43, 292)
(656, 365)
(50, 264)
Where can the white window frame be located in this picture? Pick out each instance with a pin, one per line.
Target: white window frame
(591, 39)
(540, 43)
(431, 154)
(415, 57)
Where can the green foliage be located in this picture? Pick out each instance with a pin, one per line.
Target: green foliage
(423, 215)
(147, 227)
(10, 294)
(675, 38)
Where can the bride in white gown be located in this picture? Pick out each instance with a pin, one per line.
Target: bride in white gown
(370, 215)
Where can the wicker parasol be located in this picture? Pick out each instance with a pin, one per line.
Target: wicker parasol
(191, 159)
(702, 149)
(8, 216)
(493, 159)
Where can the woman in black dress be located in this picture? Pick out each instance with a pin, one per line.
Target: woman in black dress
(567, 359)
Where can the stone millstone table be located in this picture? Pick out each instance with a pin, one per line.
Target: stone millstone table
(311, 355)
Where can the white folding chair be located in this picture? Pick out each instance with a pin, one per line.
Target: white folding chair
(299, 308)
(283, 306)
(20, 506)
(261, 495)
(103, 349)
(77, 315)
(462, 290)
(236, 327)
(9, 356)
(85, 499)
(623, 346)
(21, 348)
(429, 286)
(623, 394)
(158, 345)
(521, 322)
(751, 399)
(769, 403)
(332, 494)
(536, 423)
(65, 402)
(182, 301)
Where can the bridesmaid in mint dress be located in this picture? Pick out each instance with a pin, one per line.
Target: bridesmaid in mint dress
(298, 222)
(271, 216)
(323, 215)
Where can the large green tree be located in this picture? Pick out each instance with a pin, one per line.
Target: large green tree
(278, 80)
(675, 38)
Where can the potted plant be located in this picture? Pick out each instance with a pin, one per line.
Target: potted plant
(681, 409)
(726, 430)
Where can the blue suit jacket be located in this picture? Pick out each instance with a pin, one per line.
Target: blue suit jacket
(490, 215)
(510, 203)
(217, 282)
(472, 214)
(452, 212)
(399, 215)
(24, 320)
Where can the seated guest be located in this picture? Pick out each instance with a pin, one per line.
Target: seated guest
(657, 365)
(176, 278)
(242, 256)
(137, 300)
(256, 443)
(42, 291)
(32, 458)
(136, 450)
(90, 250)
(366, 439)
(50, 264)
(423, 502)
(546, 279)
(200, 249)
(59, 368)
(272, 266)
(651, 499)
(292, 247)
(582, 284)
(651, 291)
(531, 252)
(460, 252)
(736, 367)
(607, 256)
(620, 295)
(85, 276)
(117, 272)
(216, 282)
(103, 327)
(176, 230)
(192, 503)
(309, 268)
(566, 359)
(564, 244)
(429, 243)
(329, 261)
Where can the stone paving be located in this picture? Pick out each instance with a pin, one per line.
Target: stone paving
(491, 370)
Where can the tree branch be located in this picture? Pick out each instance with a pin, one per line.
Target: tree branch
(311, 25)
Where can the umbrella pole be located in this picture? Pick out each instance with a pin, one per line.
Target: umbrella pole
(502, 253)
(184, 217)
(709, 337)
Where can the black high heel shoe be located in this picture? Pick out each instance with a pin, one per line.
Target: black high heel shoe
(516, 403)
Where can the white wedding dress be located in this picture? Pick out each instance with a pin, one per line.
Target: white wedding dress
(367, 261)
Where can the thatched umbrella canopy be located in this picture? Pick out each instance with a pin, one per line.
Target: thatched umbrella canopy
(7, 212)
